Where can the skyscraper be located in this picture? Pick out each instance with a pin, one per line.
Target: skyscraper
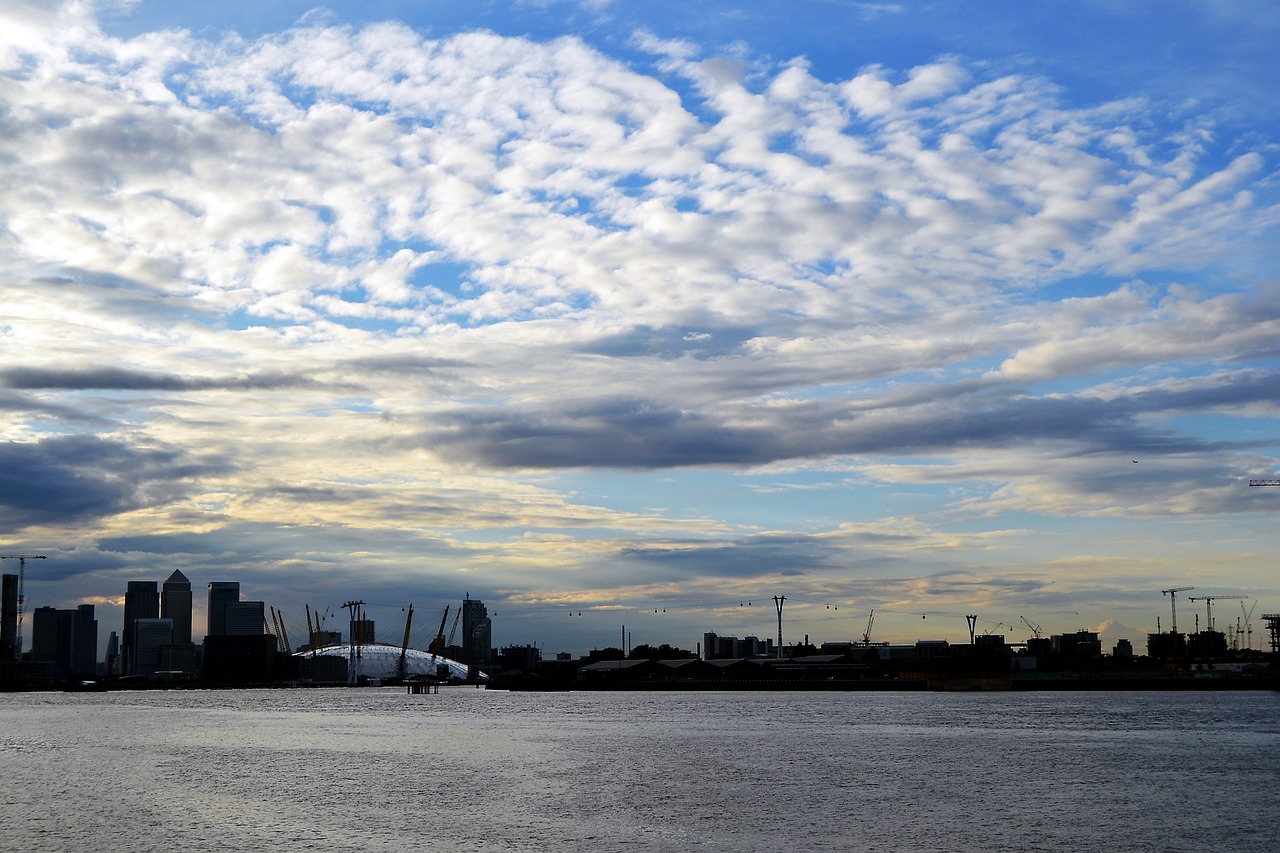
(245, 617)
(84, 642)
(141, 601)
(112, 661)
(221, 593)
(8, 617)
(476, 635)
(67, 639)
(150, 638)
(175, 604)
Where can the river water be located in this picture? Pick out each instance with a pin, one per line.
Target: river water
(376, 769)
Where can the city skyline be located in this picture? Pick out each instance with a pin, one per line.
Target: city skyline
(612, 316)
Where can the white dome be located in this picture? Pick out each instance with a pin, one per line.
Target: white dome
(383, 661)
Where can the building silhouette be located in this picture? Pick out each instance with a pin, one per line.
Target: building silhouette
(245, 618)
(175, 604)
(237, 648)
(221, 593)
(66, 640)
(84, 642)
(8, 617)
(151, 638)
(477, 636)
(141, 601)
(111, 664)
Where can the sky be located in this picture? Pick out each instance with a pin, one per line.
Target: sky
(634, 319)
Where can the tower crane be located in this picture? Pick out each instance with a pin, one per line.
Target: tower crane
(1248, 624)
(1173, 603)
(1264, 482)
(1035, 629)
(22, 571)
(1208, 606)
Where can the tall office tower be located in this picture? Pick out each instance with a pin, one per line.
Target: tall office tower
(84, 642)
(45, 635)
(8, 617)
(141, 601)
(476, 635)
(175, 604)
(245, 617)
(111, 663)
(151, 636)
(221, 593)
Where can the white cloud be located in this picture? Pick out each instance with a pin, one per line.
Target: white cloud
(722, 263)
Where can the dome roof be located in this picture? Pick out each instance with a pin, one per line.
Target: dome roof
(379, 660)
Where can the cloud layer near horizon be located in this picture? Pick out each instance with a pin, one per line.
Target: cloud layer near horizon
(365, 280)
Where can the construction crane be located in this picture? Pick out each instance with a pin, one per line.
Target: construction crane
(1248, 624)
(1035, 629)
(1208, 606)
(866, 635)
(408, 620)
(1264, 482)
(1173, 603)
(22, 572)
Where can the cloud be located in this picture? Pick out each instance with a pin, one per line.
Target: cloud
(79, 479)
(120, 379)
(361, 289)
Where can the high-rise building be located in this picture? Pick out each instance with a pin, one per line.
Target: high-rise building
(221, 593)
(65, 639)
(175, 604)
(151, 637)
(46, 636)
(111, 664)
(141, 601)
(84, 642)
(8, 617)
(477, 635)
(245, 617)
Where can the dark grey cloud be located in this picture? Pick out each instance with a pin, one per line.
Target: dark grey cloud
(77, 478)
(620, 433)
(748, 557)
(634, 433)
(701, 342)
(122, 379)
(404, 363)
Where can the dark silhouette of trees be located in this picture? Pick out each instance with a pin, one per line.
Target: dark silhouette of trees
(610, 653)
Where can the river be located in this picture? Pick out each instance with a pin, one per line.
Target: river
(375, 769)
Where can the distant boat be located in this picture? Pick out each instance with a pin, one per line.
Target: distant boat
(85, 686)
